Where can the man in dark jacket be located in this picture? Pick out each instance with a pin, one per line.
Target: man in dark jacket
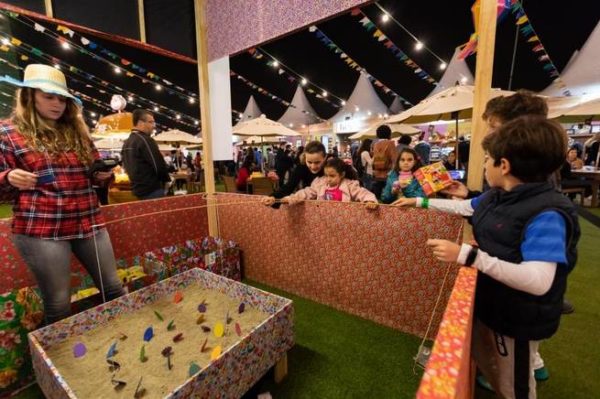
(142, 159)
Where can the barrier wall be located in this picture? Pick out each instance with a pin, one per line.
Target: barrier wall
(130, 236)
(373, 264)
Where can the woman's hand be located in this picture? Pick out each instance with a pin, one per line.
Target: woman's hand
(22, 179)
(444, 250)
(103, 179)
(371, 205)
(267, 201)
(405, 202)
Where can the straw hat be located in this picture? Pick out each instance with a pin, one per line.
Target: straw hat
(45, 78)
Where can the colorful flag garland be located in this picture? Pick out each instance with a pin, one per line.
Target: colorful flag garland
(526, 28)
(470, 47)
(327, 42)
(387, 43)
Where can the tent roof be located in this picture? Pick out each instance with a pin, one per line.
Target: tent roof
(300, 111)
(364, 97)
(582, 73)
(396, 106)
(456, 71)
(251, 111)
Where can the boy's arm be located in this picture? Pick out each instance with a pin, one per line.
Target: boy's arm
(543, 249)
(458, 207)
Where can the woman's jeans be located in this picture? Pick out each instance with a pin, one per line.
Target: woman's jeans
(49, 261)
(367, 181)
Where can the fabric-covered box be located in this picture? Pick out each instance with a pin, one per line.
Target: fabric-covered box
(230, 374)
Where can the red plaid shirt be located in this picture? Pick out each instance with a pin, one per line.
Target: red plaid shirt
(63, 205)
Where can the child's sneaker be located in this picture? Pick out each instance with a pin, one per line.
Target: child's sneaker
(541, 374)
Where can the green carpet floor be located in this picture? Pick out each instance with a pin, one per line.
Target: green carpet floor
(342, 356)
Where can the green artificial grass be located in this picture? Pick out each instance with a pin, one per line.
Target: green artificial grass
(342, 356)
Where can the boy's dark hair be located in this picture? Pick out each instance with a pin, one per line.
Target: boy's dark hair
(139, 114)
(417, 164)
(384, 132)
(342, 167)
(314, 147)
(405, 139)
(534, 145)
(521, 103)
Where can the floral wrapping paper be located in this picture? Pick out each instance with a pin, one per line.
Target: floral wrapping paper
(449, 372)
(229, 376)
(20, 313)
(374, 264)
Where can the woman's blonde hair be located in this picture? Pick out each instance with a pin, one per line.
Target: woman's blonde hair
(69, 134)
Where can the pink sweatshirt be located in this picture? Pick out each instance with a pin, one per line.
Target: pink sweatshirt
(351, 191)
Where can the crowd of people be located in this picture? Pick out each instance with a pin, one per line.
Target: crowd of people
(525, 231)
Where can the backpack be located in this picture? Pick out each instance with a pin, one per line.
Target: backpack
(357, 162)
(381, 161)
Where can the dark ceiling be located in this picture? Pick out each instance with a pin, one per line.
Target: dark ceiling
(562, 28)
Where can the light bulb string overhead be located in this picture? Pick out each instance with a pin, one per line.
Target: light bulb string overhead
(351, 63)
(89, 48)
(430, 51)
(20, 47)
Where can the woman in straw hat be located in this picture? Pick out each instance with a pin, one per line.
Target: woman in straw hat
(46, 157)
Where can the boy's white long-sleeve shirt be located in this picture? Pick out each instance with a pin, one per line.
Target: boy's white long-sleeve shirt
(533, 277)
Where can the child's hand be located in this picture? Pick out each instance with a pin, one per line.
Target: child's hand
(267, 201)
(395, 189)
(456, 190)
(371, 205)
(405, 202)
(291, 200)
(403, 184)
(444, 250)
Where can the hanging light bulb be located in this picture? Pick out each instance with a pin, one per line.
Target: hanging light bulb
(155, 109)
(343, 102)
(158, 87)
(304, 81)
(324, 93)
(385, 115)
(275, 64)
(385, 17)
(369, 113)
(65, 45)
(57, 66)
(356, 108)
(291, 125)
(177, 116)
(5, 41)
(443, 66)
(196, 123)
(418, 46)
(130, 98)
(117, 70)
(192, 100)
(93, 114)
(463, 80)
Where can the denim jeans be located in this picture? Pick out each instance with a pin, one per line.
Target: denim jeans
(367, 181)
(49, 261)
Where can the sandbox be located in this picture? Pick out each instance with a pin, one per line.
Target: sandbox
(257, 331)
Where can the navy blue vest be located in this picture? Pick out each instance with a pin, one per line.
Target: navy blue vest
(499, 224)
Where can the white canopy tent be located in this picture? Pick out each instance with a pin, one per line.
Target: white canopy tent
(397, 130)
(177, 136)
(300, 112)
(457, 71)
(251, 111)
(262, 127)
(582, 73)
(450, 104)
(396, 106)
(362, 105)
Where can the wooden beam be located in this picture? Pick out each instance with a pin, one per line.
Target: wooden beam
(483, 85)
(207, 156)
(49, 9)
(142, 21)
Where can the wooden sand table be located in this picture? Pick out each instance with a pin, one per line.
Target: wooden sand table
(89, 375)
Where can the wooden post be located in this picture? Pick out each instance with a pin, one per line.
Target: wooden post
(207, 158)
(142, 21)
(49, 8)
(281, 369)
(483, 84)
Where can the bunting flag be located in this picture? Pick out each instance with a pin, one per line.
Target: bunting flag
(327, 42)
(270, 95)
(258, 54)
(526, 28)
(93, 49)
(386, 42)
(87, 78)
(470, 47)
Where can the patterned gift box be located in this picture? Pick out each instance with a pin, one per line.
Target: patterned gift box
(246, 362)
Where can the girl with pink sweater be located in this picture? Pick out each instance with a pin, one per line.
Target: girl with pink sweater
(339, 183)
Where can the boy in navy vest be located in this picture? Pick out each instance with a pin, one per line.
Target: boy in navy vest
(527, 236)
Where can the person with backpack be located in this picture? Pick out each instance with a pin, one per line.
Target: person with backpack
(384, 157)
